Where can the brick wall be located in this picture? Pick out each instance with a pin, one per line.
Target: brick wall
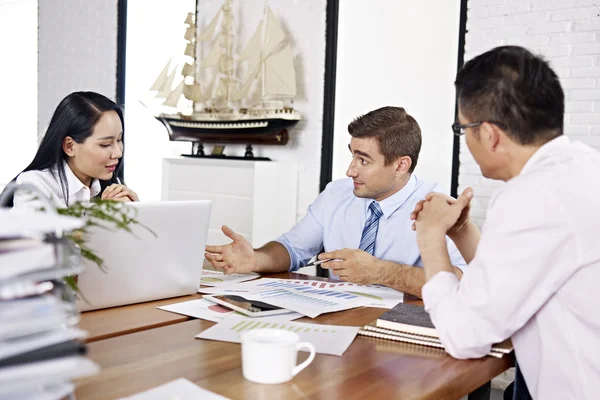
(567, 34)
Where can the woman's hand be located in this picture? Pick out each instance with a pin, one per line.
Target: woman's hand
(119, 192)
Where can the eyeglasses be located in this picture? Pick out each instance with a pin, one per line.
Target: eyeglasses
(460, 129)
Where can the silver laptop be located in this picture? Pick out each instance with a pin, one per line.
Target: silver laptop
(145, 267)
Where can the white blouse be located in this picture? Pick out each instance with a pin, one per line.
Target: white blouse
(47, 182)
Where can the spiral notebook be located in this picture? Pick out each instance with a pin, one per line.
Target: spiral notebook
(411, 324)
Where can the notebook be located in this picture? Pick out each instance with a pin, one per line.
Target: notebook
(407, 318)
(409, 323)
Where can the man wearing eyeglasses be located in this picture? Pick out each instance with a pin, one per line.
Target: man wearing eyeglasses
(361, 221)
(534, 270)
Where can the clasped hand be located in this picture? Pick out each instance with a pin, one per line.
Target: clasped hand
(119, 192)
(441, 214)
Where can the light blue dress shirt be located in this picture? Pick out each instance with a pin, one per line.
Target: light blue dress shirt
(335, 221)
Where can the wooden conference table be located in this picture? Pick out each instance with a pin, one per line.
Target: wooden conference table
(140, 347)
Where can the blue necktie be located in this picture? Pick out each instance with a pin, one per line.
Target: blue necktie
(369, 234)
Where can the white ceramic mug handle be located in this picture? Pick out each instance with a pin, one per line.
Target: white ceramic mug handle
(306, 362)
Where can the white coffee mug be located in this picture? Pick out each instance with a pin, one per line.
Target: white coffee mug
(270, 355)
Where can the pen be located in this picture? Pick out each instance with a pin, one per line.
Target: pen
(318, 262)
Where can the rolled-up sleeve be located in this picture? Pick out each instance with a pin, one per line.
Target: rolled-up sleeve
(522, 258)
(305, 239)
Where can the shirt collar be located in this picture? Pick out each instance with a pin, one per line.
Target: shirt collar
(395, 201)
(546, 148)
(75, 185)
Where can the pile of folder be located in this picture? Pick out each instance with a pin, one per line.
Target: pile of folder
(41, 348)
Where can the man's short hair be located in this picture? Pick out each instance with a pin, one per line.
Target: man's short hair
(517, 90)
(397, 133)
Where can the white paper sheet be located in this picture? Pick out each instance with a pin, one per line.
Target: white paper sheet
(380, 296)
(18, 222)
(179, 389)
(22, 261)
(210, 311)
(44, 391)
(20, 345)
(310, 304)
(327, 339)
(218, 278)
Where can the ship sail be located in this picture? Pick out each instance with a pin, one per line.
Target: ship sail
(188, 70)
(193, 92)
(252, 74)
(190, 33)
(212, 60)
(174, 97)
(165, 91)
(270, 59)
(274, 34)
(253, 48)
(162, 78)
(279, 76)
(190, 49)
(220, 55)
(209, 32)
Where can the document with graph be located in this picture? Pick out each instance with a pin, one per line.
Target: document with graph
(305, 300)
(378, 296)
(327, 339)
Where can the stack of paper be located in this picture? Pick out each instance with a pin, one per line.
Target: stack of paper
(40, 344)
(311, 298)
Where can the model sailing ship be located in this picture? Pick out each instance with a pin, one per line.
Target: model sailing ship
(256, 109)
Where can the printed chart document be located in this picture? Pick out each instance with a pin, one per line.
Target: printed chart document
(310, 303)
(327, 339)
(381, 296)
(218, 278)
(210, 311)
(180, 389)
(378, 296)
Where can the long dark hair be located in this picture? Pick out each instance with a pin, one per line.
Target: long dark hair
(75, 116)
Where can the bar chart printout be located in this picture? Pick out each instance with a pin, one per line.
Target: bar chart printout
(307, 302)
(379, 296)
(327, 339)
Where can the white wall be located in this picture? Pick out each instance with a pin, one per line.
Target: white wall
(399, 53)
(18, 79)
(155, 32)
(567, 33)
(77, 51)
(149, 48)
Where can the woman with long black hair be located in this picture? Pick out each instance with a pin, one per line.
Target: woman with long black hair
(80, 156)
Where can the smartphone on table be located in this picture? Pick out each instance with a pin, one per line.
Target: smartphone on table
(247, 307)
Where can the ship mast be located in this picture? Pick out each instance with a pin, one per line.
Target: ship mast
(263, 35)
(226, 64)
(196, 80)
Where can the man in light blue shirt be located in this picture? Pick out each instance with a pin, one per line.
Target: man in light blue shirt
(362, 221)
